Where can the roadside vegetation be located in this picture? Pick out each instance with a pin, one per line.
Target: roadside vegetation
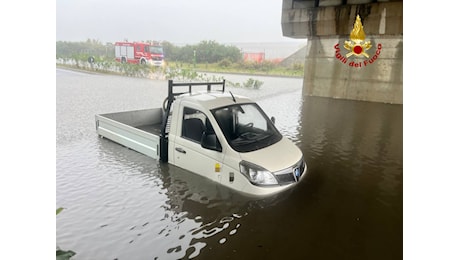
(63, 254)
(189, 62)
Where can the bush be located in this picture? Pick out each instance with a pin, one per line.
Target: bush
(225, 63)
(253, 83)
(297, 66)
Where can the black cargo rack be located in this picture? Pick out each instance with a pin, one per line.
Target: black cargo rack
(171, 94)
(171, 86)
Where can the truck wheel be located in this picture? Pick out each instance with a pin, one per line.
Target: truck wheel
(123, 60)
(143, 62)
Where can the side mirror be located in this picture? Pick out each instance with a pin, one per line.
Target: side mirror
(210, 141)
(273, 119)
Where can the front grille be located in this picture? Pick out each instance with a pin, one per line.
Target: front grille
(291, 174)
(285, 178)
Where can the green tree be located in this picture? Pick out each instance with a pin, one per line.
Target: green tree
(204, 52)
(82, 50)
(212, 52)
(171, 52)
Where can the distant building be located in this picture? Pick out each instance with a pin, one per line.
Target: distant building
(272, 50)
(254, 56)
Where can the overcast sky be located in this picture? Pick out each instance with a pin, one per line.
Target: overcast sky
(176, 21)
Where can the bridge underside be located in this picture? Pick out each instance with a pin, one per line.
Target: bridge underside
(334, 70)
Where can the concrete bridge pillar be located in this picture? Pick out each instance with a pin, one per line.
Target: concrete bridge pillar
(340, 65)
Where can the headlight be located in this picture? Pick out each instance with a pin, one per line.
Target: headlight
(256, 174)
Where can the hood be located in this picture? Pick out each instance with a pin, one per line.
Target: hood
(276, 157)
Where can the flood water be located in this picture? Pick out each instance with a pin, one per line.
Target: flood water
(120, 204)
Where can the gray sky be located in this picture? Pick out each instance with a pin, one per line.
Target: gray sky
(176, 21)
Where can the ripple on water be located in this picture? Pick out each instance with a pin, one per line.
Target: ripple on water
(120, 204)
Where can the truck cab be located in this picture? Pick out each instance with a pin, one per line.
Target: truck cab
(229, 139)
(221, 136)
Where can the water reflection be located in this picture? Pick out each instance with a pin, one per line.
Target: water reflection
(217, 211)
(189, 210)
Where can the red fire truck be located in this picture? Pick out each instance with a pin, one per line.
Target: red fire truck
(139, 53)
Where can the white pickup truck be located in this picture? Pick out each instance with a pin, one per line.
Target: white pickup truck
(221, 136)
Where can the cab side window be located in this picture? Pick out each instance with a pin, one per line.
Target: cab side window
(193, 124)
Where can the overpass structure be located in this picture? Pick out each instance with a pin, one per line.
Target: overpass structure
(354, 48)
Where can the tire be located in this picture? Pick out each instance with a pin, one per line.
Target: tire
(123, 60)
(143, 62)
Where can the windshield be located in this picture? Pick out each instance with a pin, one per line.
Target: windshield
(156, 49)
(246, 127)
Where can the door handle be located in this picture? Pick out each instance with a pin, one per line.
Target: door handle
(180, 150)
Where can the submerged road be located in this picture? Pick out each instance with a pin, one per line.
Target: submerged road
(121, 204)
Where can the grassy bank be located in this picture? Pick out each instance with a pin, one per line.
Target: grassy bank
(177, 72)
(184, 70)
(248, 68)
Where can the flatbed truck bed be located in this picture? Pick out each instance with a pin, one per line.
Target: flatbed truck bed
(139, 130)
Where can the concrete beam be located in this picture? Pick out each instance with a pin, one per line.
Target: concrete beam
(327, 25)
(381, 18)
(380, 81)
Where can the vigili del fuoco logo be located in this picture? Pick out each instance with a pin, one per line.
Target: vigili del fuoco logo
(357, 47)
